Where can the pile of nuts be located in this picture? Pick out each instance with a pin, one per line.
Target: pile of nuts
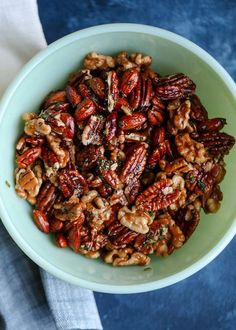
(120, 162)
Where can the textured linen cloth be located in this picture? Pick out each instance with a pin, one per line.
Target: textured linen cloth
(30, 298)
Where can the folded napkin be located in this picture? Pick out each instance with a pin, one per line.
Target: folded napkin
(30, 298)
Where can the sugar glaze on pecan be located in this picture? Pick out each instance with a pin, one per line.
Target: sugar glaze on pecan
(119, 163)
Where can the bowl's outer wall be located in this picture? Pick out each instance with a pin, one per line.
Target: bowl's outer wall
(50, 73)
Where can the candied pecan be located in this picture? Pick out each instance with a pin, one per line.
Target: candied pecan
(157, 154)
(142, 93)
(135, 137)
(177, 166)
(55, 225)
(192, 151)
(41, 221)
(134, 164)
(113, 91)
(92, 131)
(72, 182)
(28, 157)
(98, 86)
(46, 197)
(119, 235)
(146, 91)
(61, 240)
(125, 238)
(78, 77)
(105, 190)
(135, 219)
(74, 239)
(216, 143)
(37, 127)
(84, 110)
(54, 97)
(122, 104)
(61, 153)
(214, 124)
(111, 126)
(135, 121)
(88, 93)
(50, 161)
(157, 196)
(73, 95)
(94, 241)
(87, 157)
(158, 136)
(132, 190)
(106, 170)
(29, 141)
(62, 124)
(135, 96)
(129, 81)
(198, 112)
(28, 183)
(94, 61)
(187, 219)
(156, 116)
(174, 86)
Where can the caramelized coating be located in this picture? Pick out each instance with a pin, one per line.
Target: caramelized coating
(119, 163)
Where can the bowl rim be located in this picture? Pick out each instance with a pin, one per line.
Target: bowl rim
(62, 42)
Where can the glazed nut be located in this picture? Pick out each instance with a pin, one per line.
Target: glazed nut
(37, 127)
(28, 183)
(192, 151)
(141, 59)
(97, 61)
(135, 219)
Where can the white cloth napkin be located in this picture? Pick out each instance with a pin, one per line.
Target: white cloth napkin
(29, 301)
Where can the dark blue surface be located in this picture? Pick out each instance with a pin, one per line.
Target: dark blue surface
(207, 300)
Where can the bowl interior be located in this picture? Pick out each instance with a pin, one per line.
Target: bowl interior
(50, 72)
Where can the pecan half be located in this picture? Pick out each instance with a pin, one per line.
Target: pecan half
(134, 164)
(135, 121)
(28, 157)
(129, 81)
(46, 197)
(84, 110)
(174, 86)
(41, 221)
(158, 196)
(113, 91)
(216, 143)
(92, 131)
(28, 183)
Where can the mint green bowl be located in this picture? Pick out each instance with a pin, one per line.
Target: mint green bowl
(49, 70)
